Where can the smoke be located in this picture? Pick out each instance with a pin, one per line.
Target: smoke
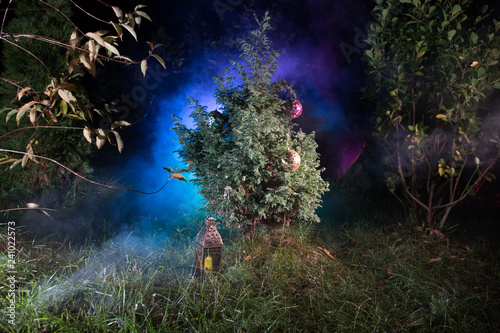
(105, 269)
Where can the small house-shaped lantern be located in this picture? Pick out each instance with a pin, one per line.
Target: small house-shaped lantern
(208, 247)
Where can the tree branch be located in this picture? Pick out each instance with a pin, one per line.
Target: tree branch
(400, 170)
(37, 127)
(30, 53)
(80, 176)
(83, 10)
(64, 15)
(4, 17)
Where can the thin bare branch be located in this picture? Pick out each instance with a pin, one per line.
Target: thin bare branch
(86, 12)
(27, 51)
(64, 15)
(66, 46)
(37, 127)
(4, 17)
(80, 176)
(26, 208)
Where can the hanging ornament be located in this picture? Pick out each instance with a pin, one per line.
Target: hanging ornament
(291, 162)
(215, 120)
(293, 108)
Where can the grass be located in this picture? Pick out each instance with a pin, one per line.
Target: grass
(357, 278)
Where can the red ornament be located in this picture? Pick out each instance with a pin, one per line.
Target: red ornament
(293, 108)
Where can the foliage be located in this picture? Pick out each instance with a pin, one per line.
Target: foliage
(357, 278)
(240, 165)
(431, 65)
(63, 145)
(51, 99)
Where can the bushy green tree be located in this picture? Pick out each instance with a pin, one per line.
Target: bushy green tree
(431, 66)
(241, 161)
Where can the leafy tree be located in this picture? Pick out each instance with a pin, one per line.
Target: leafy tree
(45, 57)
(21, 69)
(431, 66)
(241, 157)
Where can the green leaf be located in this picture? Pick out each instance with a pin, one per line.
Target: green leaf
(119, 123)
(473, 37)
(385, 12)
(144, 67)
(22, 111)
(160, 60)
(95, 37)
(24, 161)
(369, 53)
(496, 85)
(178, 176)
(456, 9)
(451, 33)
(14, 164)
(87, 134)
(124, 58)
(33, 114)
(118, 11)
(67, 97)
(118, 29)
(481, 71)
(63, 106)
(131, 30)
(119, 141)
(100, 139)
(111, 48)
(74, 116)
(143, 14)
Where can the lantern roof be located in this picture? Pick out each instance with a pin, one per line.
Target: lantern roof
(209, 237)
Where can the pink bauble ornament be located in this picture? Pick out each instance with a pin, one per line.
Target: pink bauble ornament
(293, 108)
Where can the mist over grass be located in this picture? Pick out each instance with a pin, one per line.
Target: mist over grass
(352, 278)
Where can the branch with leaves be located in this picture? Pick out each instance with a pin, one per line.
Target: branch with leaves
(85, 50)
(173, 173)
(430, 77)
(65, 96)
